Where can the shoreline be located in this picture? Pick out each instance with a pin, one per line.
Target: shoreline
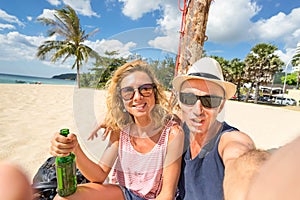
(30, 114)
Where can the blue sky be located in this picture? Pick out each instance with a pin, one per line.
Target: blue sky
(145, 27)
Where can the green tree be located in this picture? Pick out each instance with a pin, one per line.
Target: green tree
(164, 70)
(291, 79)
(105, 67)
(260, 66)
(66, 25)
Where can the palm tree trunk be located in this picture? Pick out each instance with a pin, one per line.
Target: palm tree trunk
(256, 92)
(78, 75)
(192, 42)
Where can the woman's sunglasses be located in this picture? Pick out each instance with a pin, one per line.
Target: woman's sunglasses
(208, 101)
(145, 90)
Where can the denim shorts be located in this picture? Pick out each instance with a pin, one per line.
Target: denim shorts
(130, 195)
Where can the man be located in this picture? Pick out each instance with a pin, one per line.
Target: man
(213, 147)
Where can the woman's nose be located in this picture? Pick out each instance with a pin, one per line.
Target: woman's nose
(137, 94)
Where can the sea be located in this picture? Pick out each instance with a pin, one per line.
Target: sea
(20, 79)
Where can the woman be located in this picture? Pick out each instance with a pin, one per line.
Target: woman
(145, 145)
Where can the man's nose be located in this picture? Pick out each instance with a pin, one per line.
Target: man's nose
(198, 108)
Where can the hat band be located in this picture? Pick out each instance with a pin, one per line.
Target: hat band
(204, 75)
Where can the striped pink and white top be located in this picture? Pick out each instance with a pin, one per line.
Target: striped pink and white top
(141, 173)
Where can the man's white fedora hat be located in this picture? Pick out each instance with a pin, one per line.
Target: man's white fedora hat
(207, 69)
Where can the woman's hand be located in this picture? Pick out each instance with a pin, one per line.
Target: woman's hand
(62, 146)
(105, 133)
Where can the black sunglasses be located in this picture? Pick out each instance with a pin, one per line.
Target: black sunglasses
(208, 101)
(145, 90)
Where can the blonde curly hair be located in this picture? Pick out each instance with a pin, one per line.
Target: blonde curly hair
(116, 118)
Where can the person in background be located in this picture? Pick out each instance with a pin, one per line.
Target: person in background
(145, 144)
(14, 184)
(212, 147)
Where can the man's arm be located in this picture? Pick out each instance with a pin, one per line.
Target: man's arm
(279, 177)
(239, 174)
(242, 161)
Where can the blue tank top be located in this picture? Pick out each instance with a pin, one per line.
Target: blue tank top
(202, 177)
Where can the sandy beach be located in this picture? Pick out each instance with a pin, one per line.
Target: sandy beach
(31, 114)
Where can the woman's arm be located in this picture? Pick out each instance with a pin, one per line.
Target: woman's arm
(172, 164)
(105, 133)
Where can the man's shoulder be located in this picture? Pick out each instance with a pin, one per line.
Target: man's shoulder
(228, 128)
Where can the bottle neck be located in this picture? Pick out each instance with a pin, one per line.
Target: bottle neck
(64, 132)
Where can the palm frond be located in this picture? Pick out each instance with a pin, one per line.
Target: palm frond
(66, 24)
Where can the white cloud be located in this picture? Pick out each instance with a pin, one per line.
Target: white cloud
(166, 43)
(47, 14)
(54, 2)
(83, 7)
(136, 8)
(10, 18)
(111, 45)
(22, 48)
(170, 26)
(285, 56)
(15, 46)
(275, 27)
(171, 20)
(281, 27)
(168, 23)
(7, 26)
(229, 20)
(29, 18)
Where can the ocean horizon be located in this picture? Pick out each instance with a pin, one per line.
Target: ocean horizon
(22, 79)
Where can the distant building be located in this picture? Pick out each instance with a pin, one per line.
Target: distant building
(270, 90)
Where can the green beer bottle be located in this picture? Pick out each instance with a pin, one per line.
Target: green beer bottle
(66, 172)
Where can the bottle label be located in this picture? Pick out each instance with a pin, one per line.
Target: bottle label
(66, 177)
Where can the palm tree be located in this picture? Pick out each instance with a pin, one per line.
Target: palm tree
(261, 65)
(233, 71)
(225, 65)
(66, 25)
(237, 71)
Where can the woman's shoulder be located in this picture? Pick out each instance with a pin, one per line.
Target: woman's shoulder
(175, 128)
(173, 119)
